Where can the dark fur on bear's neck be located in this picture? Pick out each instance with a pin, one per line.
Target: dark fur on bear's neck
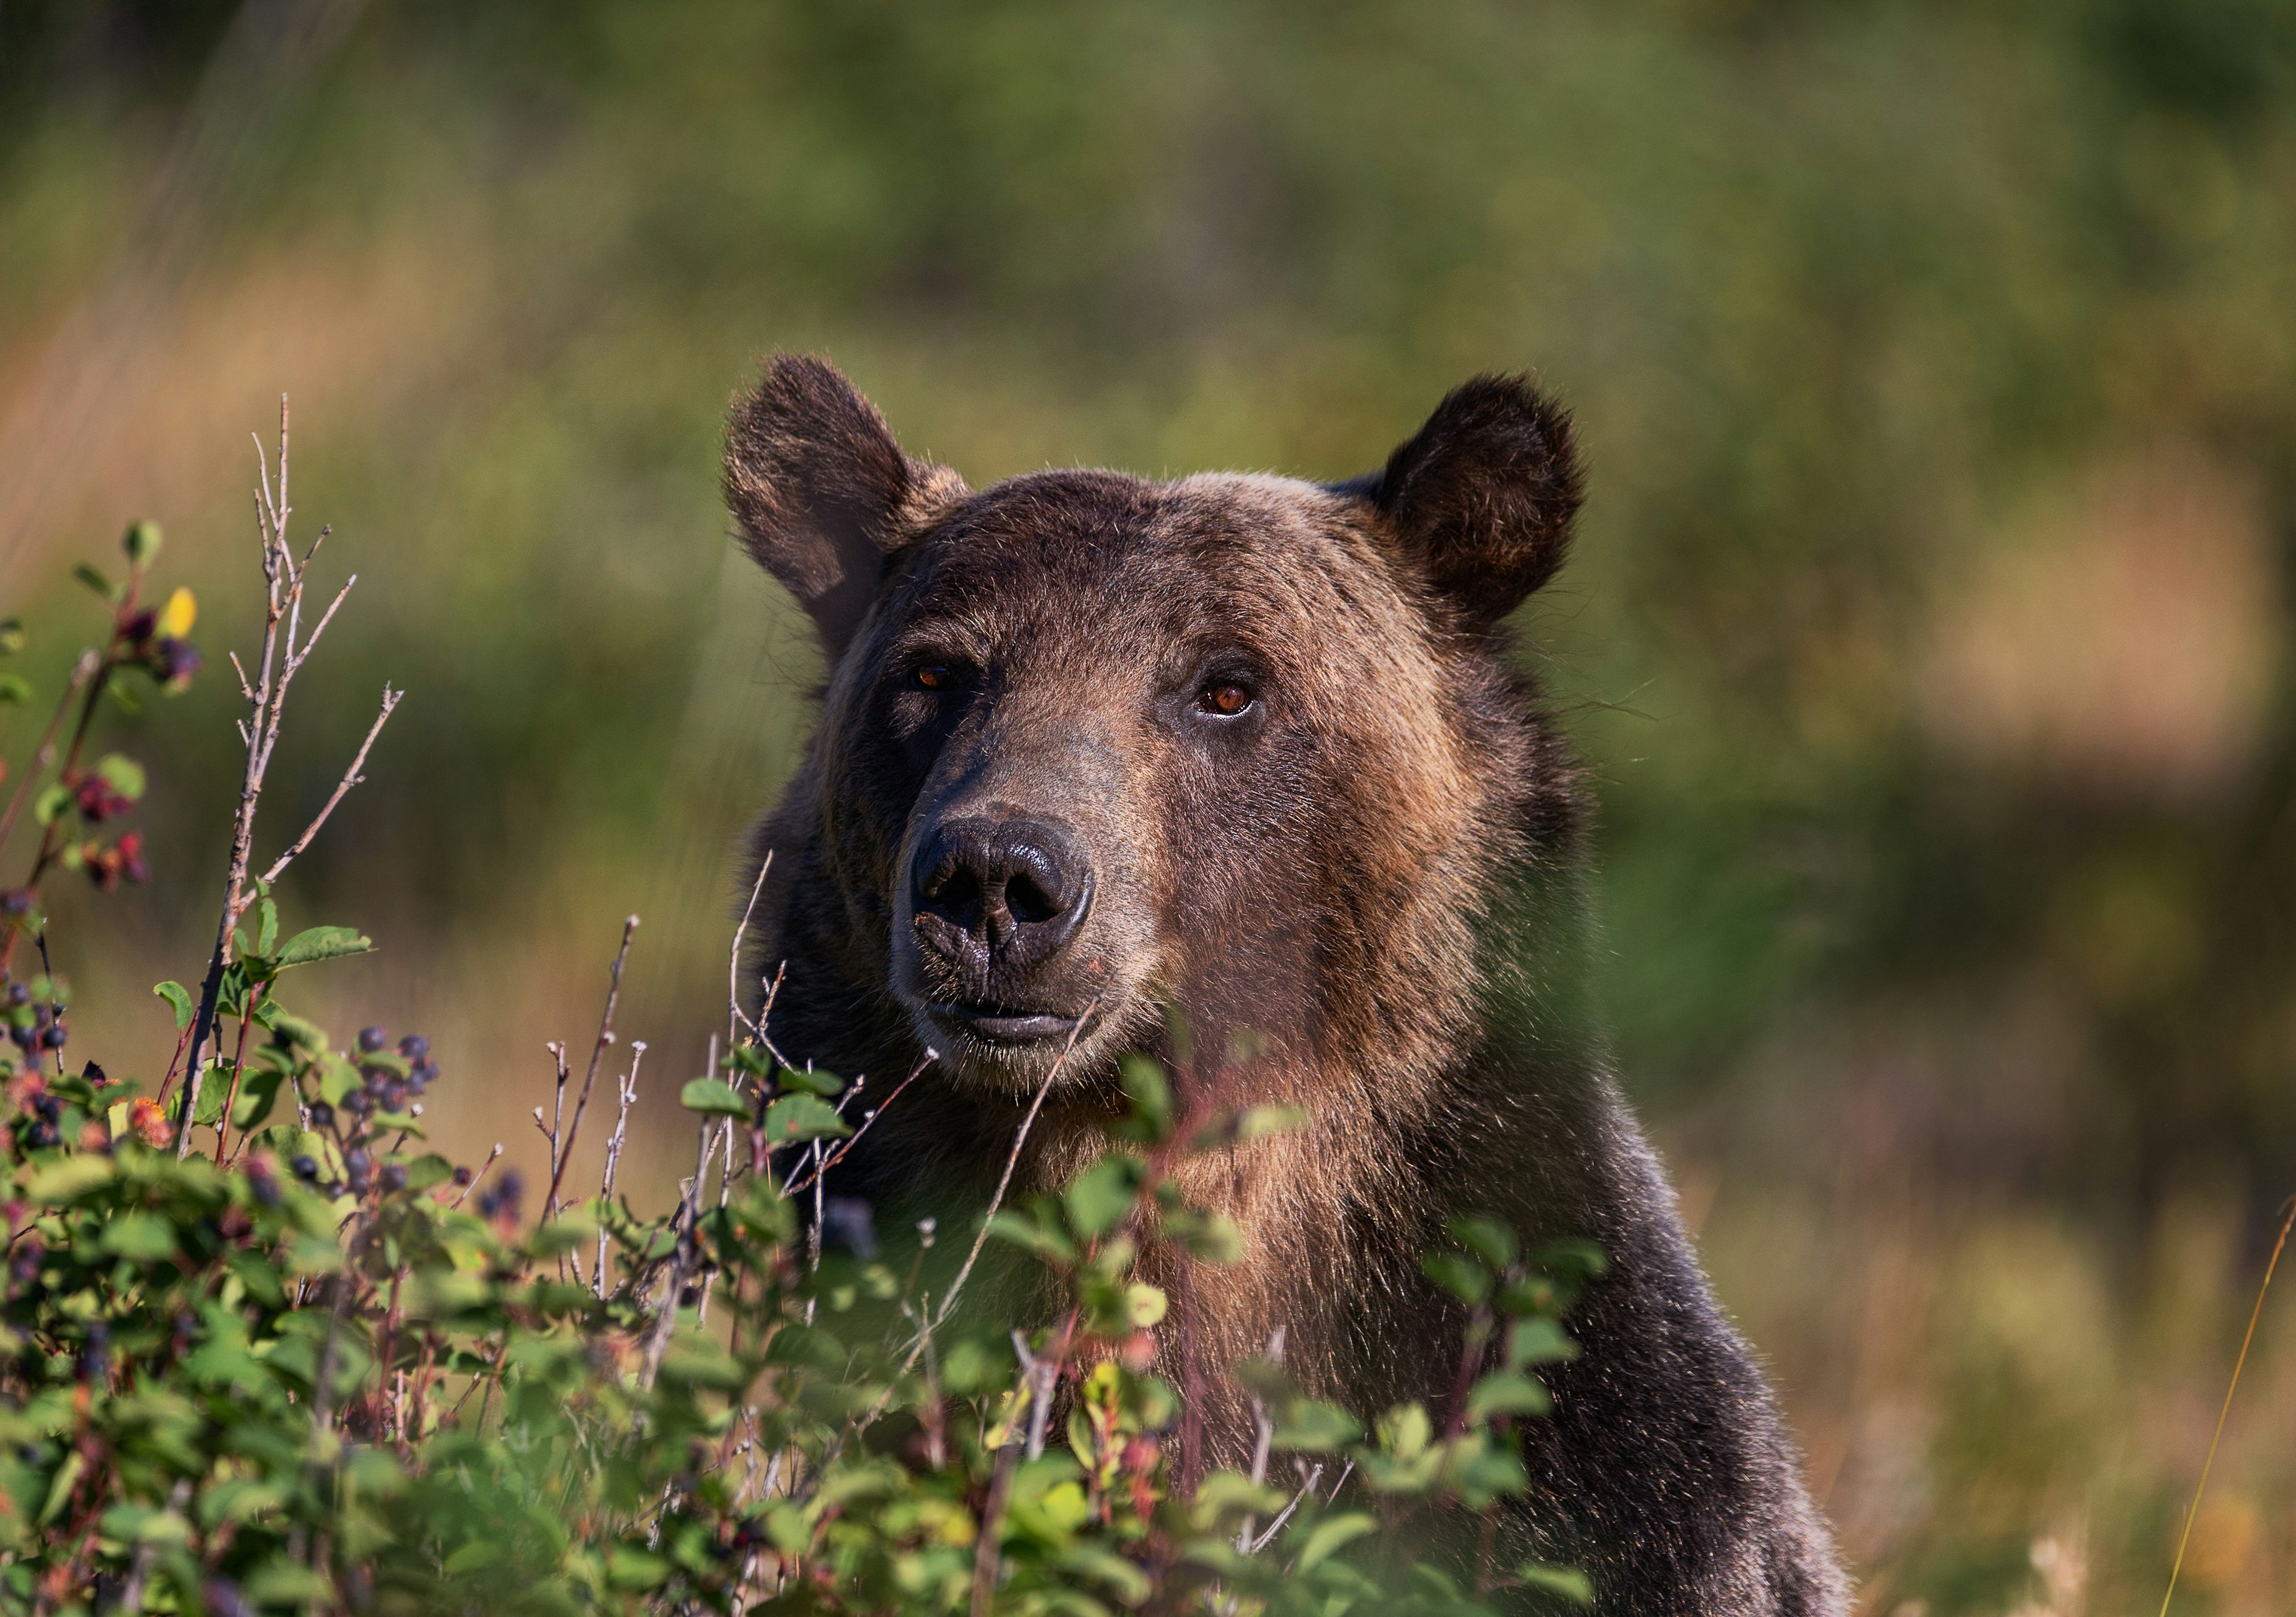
(1444, 1044)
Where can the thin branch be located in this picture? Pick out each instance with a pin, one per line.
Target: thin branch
(734, 957)
(689, 1214)
(628, 1088)
(1013, 1161)
(44, 753)
(482, 1173)
(295, 658)
(590, 1076)
(352, 777)
(1276, 1526)
(870, 1116)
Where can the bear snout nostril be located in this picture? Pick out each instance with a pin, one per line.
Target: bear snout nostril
(1016, 888)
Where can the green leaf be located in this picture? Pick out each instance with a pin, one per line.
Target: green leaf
(12, 636)
(561, 1235)
(94, 578)
(258, 1091)
(213, 1088)
(266, 922)
(143, 1235)
(1312, 1427)
(14, 689)
(635, 1569)
(1507, 1392)
(1487, 1239)
(293, 1031)
(1538, 1341)
(1331, 1534)
(122, 774)
(1022, 1230)
(61, 1181)
(1150, 1094)
(179, 998)
(813, 1081)
(1102, 1194)
(1568, 1582)
(803, 1118)
(142, 543)
(1460, 1275)
(713, 1097)
(322, 943)
(427, 1170)
(54, 798)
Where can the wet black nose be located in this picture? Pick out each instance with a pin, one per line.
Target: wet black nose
(1014, 889)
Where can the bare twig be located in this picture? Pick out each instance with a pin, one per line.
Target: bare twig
(562, 1155)
(1012, 1162)
(626, 1093)
(44, 753)
(478, 1175)
(352, 777)
(734, 962)
(868, 1117)
(1264, 1440)
(689, 1213)
(1306, 1488)
(987, 1553)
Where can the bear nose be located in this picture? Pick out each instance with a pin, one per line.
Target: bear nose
(1014, 888)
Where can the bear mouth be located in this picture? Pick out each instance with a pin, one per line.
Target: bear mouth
(1001, 1024)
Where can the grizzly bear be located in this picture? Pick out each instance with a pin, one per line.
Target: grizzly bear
(1099, 757)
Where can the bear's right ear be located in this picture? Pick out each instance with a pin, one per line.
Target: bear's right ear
(1481, 496)
(822, 493)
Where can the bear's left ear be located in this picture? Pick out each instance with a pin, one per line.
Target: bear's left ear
(1482, 496)
(822, 493)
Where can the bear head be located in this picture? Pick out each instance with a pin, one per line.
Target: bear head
(1094, 748)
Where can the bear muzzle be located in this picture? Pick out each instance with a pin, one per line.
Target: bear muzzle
(994, 905)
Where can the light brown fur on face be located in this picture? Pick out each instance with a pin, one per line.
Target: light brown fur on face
(1032, 821)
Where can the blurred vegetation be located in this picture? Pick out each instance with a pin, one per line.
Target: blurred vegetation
(1928, 630)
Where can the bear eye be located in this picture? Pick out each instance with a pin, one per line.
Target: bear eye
(1225, 700)
(933, 676)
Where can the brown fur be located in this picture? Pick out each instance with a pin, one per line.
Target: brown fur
(1372, 881)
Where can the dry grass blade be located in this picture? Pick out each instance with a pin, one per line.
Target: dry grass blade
(2192, 1513)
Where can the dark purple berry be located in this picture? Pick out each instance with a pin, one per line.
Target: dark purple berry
(47, 1105)
(55, 1037)
(462, 1177)
(16, 901)
(304, 1169)
(372, 1039)
(17, 996)
(323, 1116)
(358, 1102)
(173, 663)
(414, 1046)
(394, 1177)
(41, 1136)
(393, 1097)
(357, 1162)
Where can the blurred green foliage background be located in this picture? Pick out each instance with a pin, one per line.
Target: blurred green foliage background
(1928, 629)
